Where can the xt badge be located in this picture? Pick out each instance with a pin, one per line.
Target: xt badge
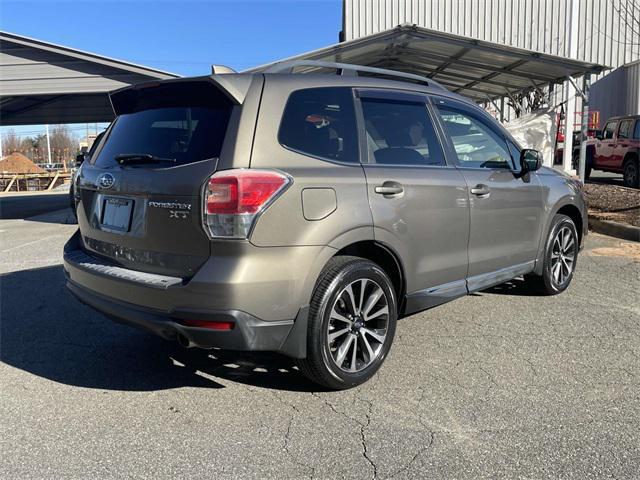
(178, 213)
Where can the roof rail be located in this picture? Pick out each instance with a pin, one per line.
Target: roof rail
(347, 69)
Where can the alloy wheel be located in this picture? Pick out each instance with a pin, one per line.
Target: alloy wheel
(358, 324)
(563, 256)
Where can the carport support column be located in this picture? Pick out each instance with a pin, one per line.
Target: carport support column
(48, 144)
(569, 116)
(571, 41)
(584, 127)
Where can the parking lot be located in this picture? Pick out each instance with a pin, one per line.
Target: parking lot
(498, 384)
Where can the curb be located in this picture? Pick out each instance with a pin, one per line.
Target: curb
(615, 229)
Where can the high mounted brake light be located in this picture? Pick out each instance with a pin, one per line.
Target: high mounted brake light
(233, 199)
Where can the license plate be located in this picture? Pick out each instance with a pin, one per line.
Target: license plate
(116, 214)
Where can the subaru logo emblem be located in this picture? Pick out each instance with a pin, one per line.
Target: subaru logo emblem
(106, 181)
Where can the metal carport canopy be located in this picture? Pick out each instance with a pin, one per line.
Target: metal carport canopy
(43, 83)
(477, 69)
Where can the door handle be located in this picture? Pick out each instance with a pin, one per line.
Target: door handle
(389, 188)
(481, 190)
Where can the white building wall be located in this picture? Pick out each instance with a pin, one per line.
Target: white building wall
(605, 35)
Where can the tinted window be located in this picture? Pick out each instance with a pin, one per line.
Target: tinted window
(475, 143)
(321, 122)
(609, 129)
(187, 134)
(625, 129)
(400, 133)
(636, 132)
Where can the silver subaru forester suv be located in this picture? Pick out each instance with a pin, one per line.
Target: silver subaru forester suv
(304, 209)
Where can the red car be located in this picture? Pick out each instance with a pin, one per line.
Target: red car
(616, 149)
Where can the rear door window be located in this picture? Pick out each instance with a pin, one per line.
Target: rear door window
(625, 129)
(321, 122)
(400, 133)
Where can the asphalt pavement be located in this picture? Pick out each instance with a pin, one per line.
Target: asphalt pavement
(499, 384)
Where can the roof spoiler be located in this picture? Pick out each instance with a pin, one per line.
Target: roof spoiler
(233, 86)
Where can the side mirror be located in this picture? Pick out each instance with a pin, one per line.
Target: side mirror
(80, 158)
(598, 134)
(530, 161)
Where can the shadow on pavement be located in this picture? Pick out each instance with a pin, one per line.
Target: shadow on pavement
(45, 331)
(517, 286)
(63, 217)
(608, 180)
(15, 206)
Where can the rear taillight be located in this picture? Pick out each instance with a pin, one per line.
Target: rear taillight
(233, 199)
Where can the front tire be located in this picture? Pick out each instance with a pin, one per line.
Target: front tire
(560, 257)
(352, 322)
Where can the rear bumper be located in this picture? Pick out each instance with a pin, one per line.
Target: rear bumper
(161, 304)
(248, 332)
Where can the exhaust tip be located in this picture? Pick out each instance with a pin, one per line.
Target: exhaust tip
(184, 341)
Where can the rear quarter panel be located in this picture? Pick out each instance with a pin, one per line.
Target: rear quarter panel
(328, 219)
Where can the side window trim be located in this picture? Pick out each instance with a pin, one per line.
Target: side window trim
(402, 96)
(467, 110)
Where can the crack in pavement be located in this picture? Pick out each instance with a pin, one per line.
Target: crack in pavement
(287, 436)
(365, 450)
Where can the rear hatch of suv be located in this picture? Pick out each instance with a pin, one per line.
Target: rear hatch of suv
(140, 194)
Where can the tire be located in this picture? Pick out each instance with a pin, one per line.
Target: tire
(344, 360)
(587, 172)
(587, 168)
(556, 279)
(631, 174)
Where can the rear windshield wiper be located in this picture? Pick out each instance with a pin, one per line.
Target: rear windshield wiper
(140, 158)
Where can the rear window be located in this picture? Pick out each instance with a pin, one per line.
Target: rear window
(321, 122)
(186, 134)
(185, 121)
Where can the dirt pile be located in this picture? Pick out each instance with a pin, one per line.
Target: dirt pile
(611, 202)
(18, 163)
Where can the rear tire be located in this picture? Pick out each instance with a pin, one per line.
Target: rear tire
(560, 258)
(631, 174)
(587, 168)
(352, 322)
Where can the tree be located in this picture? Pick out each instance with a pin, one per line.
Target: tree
(531, 101)
(627, 11)
(63, 144)
(10, 142)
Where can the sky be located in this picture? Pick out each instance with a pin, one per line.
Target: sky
(183, 37)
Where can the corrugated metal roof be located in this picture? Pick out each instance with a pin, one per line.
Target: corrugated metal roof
(41, 82)
(474, 68)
